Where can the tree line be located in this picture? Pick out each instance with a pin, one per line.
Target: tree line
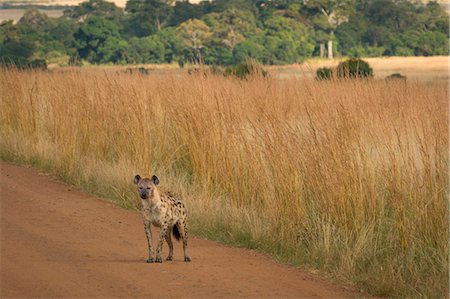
(224, 32)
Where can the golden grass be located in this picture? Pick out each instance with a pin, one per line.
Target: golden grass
(350, 177)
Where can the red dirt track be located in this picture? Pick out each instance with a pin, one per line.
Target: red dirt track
(57, 242)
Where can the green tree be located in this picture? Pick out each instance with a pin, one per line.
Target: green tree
(248, 49)
(33, 19)
(27, 38)
(216, 55)
(32, 27)
(327, 15)
(8, 31)
(388, 27)
(231, 26)
(149, 49)
(17, 48)
(100, 8)
(113, 50)
(14, 47)
(98, 41)
(194, 35)
(184, 10)
(52, 37)
(222, 5)
(146, 17)
(435, 18)
(286, 41)
(350, 34)
(432, 43)
(173, 44)
(62, 31)
(397, 16)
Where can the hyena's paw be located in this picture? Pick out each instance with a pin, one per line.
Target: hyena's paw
(187, 259)
(158, 259)
(150, 260)
(169, 258)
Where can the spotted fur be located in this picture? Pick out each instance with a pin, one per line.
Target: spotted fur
(166, 211)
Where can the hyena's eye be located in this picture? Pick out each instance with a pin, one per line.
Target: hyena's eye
(148, 188)
(140, 188)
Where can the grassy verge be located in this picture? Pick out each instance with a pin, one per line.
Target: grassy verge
(349, 177)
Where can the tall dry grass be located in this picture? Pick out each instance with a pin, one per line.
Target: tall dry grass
(350, 177)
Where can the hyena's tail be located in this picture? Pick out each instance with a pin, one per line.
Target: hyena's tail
(176, 232)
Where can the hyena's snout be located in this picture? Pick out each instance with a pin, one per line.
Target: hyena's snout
(143, 193)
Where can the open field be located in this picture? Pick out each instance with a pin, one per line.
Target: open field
(349, 177)
(434, 68)
(425, 69)
(16, 14)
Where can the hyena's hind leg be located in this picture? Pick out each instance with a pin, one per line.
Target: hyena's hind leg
(181, 225)
(169, 242)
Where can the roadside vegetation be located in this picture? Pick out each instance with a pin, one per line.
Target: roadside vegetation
(347, 176)
(226, 32)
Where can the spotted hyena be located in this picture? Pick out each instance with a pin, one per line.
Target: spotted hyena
(166, 211)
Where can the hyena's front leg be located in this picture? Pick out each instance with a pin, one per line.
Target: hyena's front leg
(148, 233)
(162, 236)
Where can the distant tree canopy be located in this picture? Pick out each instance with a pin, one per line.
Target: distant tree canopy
(107, 10)
(98, 41)
(228, 31)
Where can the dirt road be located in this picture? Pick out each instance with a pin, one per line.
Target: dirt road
(57, 242)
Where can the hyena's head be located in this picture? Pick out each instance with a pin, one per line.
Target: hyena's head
(146, 186)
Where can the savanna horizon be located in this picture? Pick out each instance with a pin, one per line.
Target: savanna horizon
(349, 177)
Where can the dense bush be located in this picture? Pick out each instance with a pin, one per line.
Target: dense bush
(354, 68)
(350, 68)
(75, 60)
(13, 61)
(38, 64)
(395, 76)
(324, 73)
(245, 69)
(22, 63)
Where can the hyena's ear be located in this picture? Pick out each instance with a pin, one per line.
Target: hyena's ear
(155, 180)
(137, 179)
